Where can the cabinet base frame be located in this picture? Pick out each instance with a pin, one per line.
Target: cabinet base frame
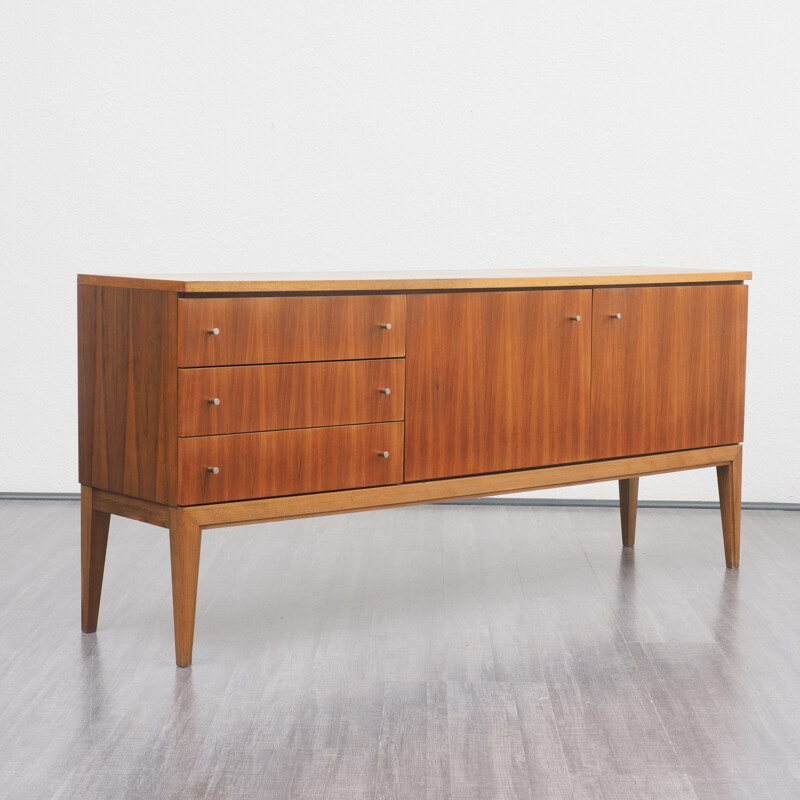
(186, 523)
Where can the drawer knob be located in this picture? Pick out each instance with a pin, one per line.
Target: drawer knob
(384, 454)
(576, 318)
(387, 326)
(214, 470)
(213, 401)
(616, 316)
(214, 331)
(387, 390)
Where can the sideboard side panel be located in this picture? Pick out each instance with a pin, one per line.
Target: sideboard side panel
(87, 379)
(128, 384)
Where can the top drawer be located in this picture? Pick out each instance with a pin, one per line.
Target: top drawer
(221, 331)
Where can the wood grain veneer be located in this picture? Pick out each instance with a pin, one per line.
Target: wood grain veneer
(289, 462)
(128, 387)
(496, 381)
(669, 373)
(263, 330)
(414, 280)
(264, 398)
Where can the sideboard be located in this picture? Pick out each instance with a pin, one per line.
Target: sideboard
(214, 400)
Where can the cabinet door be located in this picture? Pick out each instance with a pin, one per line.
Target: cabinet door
(668, 373)
(496, 381)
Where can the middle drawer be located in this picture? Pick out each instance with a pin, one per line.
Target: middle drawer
(280, 396)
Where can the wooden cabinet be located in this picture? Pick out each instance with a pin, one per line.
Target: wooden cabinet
(212, 401)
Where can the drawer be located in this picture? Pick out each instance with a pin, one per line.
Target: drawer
(278, 396)
(216, 331)
(274, 463)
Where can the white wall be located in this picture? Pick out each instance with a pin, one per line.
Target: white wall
(169, 136)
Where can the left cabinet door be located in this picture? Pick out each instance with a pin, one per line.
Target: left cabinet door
(496, 381)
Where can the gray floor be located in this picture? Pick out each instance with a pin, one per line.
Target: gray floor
(439, 652)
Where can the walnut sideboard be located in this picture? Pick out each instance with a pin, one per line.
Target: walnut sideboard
(209, 401)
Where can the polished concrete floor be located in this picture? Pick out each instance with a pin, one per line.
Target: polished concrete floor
(438, 652)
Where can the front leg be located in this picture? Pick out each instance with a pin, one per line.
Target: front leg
(94, 542)
(184, 547)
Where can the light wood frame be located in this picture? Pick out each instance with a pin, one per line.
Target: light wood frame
(186, 523)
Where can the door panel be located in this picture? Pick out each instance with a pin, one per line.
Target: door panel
(668, 374)
(496, 381)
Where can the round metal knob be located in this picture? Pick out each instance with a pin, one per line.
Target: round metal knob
(576, 318)
(213, 401)
(384, 454)
(214, 470)
(387, 326)
(616, 316)
(214, 331)
(387, 390)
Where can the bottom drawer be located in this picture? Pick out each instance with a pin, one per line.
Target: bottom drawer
(277, 463)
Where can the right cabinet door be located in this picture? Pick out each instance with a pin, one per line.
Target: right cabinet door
(668, 368)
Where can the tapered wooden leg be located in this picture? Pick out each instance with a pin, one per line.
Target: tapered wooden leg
(729, 479)
(184, 547)
(94, 542)
(628, 500)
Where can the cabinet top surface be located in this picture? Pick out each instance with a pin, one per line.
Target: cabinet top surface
(410, 280)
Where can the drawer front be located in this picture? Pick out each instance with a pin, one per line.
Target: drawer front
(279, 396)
(275, 463)
(271, 330)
